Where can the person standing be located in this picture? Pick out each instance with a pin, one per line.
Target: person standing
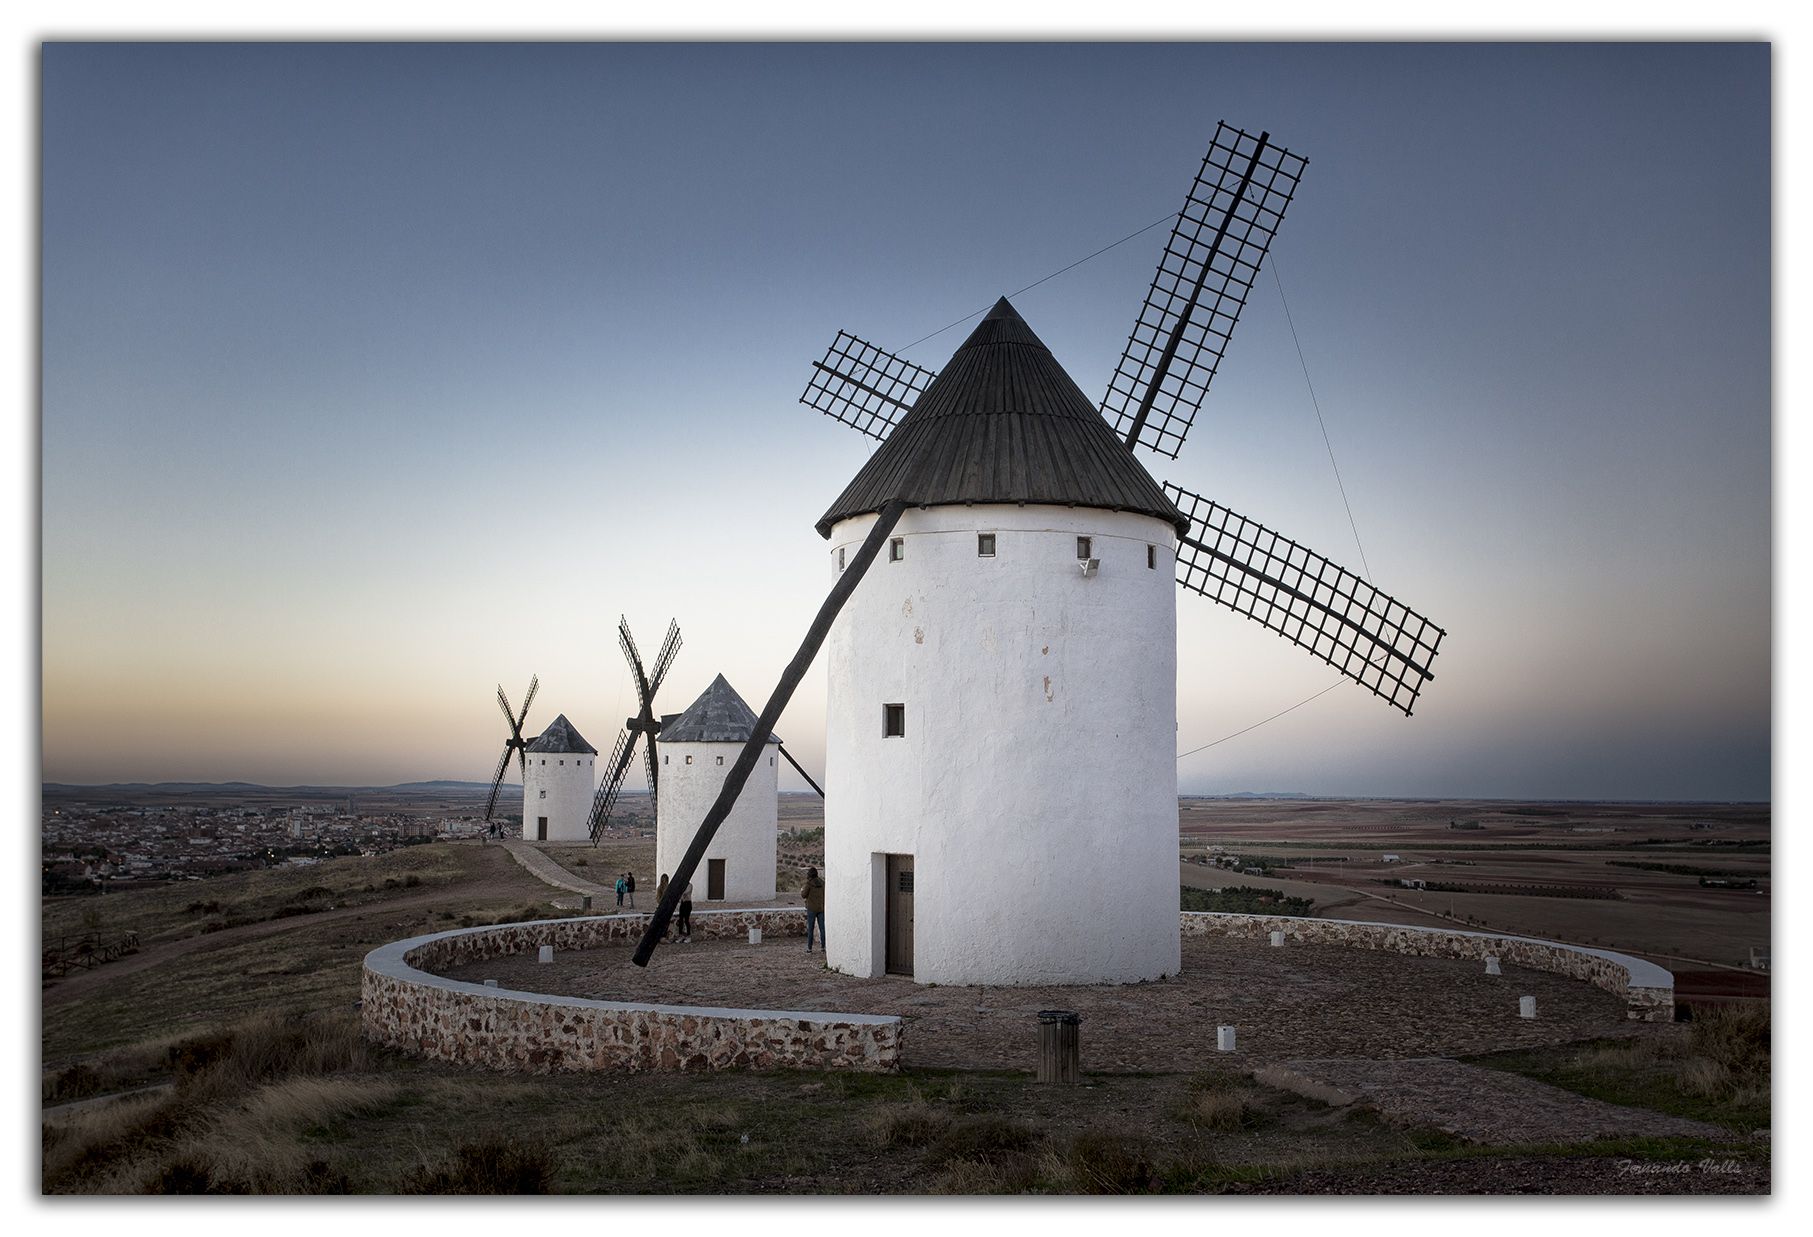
(814, 894)
(620, 892)
(629, 884)
(685, 916)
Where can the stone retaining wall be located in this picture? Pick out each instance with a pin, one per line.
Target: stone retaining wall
(1647, 989)
(406, 1007)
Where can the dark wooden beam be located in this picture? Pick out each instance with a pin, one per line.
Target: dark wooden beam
(764, 725)
(797, 768)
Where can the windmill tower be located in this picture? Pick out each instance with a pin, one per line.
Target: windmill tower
(698, 750)
(1002, 627)
(1004, 685)
(557, 785)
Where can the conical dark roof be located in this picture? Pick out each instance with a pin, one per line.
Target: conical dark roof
(1003, 423)
(717, 716)
(561, 737)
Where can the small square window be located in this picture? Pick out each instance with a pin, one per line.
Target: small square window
(896, 549)
(771, 762)
(665, 759)
(985, 545)
(561, 762)
(544, 760)
(720, 760)
(543, 795)
(840, 558)
(893, 721)
(1151, 557)
(1085, 547)
(689, 760)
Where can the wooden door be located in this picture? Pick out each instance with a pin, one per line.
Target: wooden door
(900, 915)
(541, 828)
(714, 880)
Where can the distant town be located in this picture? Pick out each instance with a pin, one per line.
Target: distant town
(97, 838)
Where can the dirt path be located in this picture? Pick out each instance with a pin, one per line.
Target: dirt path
(1485, 1106)
(548, 872)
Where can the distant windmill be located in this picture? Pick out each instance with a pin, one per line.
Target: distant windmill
(515, 743)
(1026, 734)
(644, 726)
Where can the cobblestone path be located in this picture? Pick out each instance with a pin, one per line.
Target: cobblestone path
(1477, 1104)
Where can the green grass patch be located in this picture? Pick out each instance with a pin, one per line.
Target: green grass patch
(1718, 1071)
(1242, 900)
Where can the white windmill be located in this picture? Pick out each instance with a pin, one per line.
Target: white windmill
(698, 749)
(1002, 693)
(557, 784)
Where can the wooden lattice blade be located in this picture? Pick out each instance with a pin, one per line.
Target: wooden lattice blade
(1315, 603)
(1221, 236)
(497, 780)
(605, 799)
(864, 387)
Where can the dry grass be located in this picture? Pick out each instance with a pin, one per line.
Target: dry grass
(1219, 1102)
(248, 1106)
(489, 1166)
(1717, 1068)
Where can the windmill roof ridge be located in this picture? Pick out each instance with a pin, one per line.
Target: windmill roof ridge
(561, 736)
(719, 715)
(1003, 423)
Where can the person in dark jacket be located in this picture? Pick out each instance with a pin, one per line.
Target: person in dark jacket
(685, 915)
(814, 894)
(629, 887)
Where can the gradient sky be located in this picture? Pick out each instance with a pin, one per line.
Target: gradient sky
(373, 375)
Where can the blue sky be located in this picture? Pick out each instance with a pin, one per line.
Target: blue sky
(374, 374)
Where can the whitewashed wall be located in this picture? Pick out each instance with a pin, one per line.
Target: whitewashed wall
(568, 778)
(1036, 785)
(747, 839)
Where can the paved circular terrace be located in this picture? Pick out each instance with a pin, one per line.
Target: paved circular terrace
(1299, 1001)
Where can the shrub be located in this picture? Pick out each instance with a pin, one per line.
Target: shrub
(489, 1166)
(1218, 1102)
(983, 1138)
(1101, 1163)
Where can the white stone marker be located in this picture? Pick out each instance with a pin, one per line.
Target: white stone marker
(755, 936)
(1492, 965)
(547, 954)
(1277, 939)
(490, 983)
(1526, 1007)
(1224, 1039)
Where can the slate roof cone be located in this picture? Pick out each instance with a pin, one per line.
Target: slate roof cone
(1003, 423)
(719, 715)
(560, 736)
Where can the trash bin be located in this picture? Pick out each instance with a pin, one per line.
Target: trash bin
(1059, 1050)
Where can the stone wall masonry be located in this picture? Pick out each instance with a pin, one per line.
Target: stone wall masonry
(1648, 990)
(404, 1006)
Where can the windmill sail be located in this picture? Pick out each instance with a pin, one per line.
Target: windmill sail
(644, 726)
(1221, 235)
(864, 387)
(515, 743)
(605, 799)
(1318, 605)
